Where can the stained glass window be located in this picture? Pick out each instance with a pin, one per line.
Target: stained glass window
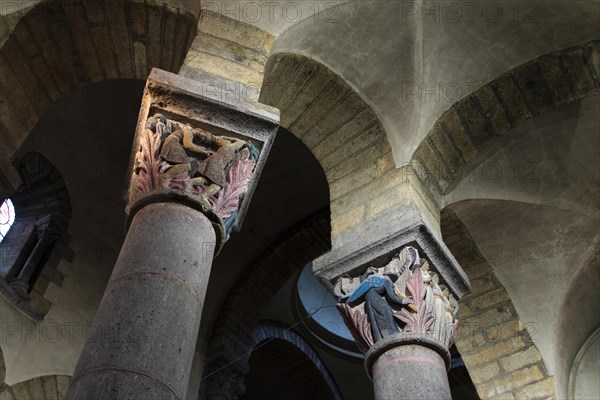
(7, 217)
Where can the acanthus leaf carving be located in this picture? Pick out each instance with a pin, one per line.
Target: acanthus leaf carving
(173, 155)
(425, 308)
(359, 326)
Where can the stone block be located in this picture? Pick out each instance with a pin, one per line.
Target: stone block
(5, 394)
(295, 73)
(508, 93)
(554, 74)
(509, 382)
(515, 361)
(492, 109)
(137, 19)
(344, 152)
(62, 383)
(235, 31)
(477, 126)
(538, 390)
(488, 299)
(579, 68)
(484, 373)
(300, 100)
(364, 120)
(343, 113)
(139, 58)
(593, 50)
(534, 88)
(121, 41)
(447, 150)
(356, 162)
(345, 221)
(20, 391)
(36, 388)
(494, 351)
(231, 51)
(155, 35)
(458, 134)
(335, 92)
(83, 41)
(482, 284)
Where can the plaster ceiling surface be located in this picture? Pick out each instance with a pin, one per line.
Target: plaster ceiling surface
(534, 251)
(275, 16)
(410, 61)
(532, 209)
(551, 159)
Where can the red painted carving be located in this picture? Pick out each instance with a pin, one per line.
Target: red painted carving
(421, 320)
(358, 325)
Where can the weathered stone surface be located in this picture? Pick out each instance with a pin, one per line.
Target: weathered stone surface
(75, 14)
(446, 149)
(484, 373)
(423, 372)
(579, 70)
(507, 91)
(528, 356)
(510, 382)
(542, 389)
(227, 50)
(158, 285)
(458, 134)
(362, 121)
(488, 299)
(492, 109)
(533, 86)
(555, 75)
(235, 31)
(100, 35)
(477, 126)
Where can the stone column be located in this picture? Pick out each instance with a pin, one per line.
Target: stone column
(195, 162)
(398, 299)
(46, 234)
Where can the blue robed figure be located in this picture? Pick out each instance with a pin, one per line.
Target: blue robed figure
(375, 289)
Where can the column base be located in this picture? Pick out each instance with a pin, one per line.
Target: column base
(21, 288)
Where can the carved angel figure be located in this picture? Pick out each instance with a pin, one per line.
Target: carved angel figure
(377, 290)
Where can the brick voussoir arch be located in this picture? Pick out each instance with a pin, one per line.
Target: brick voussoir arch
(58, 45)
(479, 124)
(330, 117)
(300, 370)
(232, 340)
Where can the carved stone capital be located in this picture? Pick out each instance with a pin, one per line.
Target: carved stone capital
(401, 297)
(191, 145)
(47, 229)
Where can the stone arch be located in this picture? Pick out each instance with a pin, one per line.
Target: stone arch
(42, 387)
(480, 123)
(56, 46)
(232, 341)
(574, 328)
(342, 132)
(43, 194)
(298, 359)
(497, 349)
(323, 111)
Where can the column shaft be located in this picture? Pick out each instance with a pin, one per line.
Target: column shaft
(144, 334)
(410, 372)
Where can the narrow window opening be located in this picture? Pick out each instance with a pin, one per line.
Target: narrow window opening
(7, 218)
